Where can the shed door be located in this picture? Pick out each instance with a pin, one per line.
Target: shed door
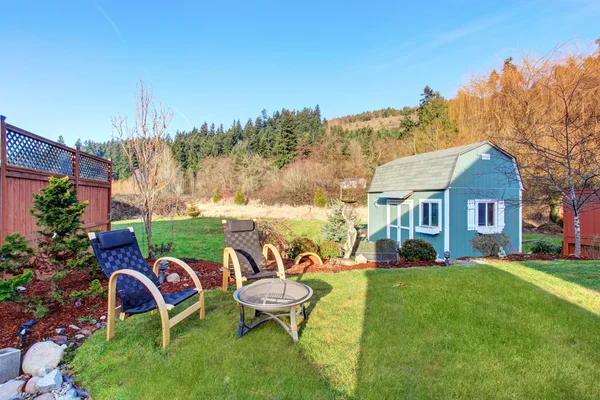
(400, 221)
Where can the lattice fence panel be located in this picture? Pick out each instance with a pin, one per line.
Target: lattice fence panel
(91, 168)
(27, 152)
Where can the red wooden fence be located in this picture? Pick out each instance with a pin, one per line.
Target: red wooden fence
(28, 160)
(590, 225)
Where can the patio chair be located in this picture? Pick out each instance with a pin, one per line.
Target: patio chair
(244, 252)
(121, 260)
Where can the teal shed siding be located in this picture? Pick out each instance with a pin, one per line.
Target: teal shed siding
(473, 178)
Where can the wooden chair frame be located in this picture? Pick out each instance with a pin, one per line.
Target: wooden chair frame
(229, 253)
(163, 308)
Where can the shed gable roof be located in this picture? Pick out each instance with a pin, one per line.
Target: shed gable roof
(427, 171)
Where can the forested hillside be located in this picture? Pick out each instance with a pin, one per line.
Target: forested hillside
(286, 156)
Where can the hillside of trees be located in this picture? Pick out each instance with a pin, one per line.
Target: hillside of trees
(286, 156)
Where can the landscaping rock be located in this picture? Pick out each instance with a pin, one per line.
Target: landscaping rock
(59, 339)
(43, 371)
(50, 382)
(45, 396)
(10, 389)
(86, 331)
(174, 278)
(78, 303)
(75, 327)
(42, 354)
(103, 317)
(71, 394)
(79, 336)
(60, 331)
(82, 394)
(31, 386)
(360, 259)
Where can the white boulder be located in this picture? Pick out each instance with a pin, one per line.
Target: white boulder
(42, 354)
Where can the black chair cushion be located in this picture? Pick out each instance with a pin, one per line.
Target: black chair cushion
(114, 239)
(170, 298)
(242, 236)
(241, 226)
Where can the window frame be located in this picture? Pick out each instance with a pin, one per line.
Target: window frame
(430, 229)
(488, 229)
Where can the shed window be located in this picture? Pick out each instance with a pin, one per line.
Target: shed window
(486, 215)
(430, 213)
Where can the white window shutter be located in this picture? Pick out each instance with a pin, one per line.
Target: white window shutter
(471, 215)
(501, 214)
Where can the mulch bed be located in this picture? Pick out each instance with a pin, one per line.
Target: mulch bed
(12, 315)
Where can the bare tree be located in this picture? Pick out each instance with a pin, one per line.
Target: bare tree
(554, 124)
(143, 143)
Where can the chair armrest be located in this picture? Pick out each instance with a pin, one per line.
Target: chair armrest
(228, 253)
(183, 265)
(112, 287)
(280, 268)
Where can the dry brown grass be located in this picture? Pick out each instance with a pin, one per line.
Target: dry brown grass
(375, 123)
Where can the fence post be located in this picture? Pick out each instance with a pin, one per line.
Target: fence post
(109, 194)
(3, 160)
(76, 170)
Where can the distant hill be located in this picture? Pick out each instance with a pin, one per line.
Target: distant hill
(390, 118)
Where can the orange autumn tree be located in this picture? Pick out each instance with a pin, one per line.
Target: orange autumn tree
(546, 111)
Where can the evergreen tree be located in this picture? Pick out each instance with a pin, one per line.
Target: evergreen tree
(285, 144)
(61, 140)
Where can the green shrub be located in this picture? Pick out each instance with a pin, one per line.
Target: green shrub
(545, 247)
(217, 197)
(95, 289)
(489, 244)
(336, 227)
(8, 287)
(15, 254)
(302, 245)
(193, 212)
(320, 199)
(239, 198)
(418, 250)
(328, 249)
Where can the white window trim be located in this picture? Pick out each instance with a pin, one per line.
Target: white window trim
(498, 228)
(430, 230)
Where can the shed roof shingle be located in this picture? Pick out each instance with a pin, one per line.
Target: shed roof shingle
(427, 171)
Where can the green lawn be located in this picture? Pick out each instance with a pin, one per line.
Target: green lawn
(509, 330)
(530, 238)
(202, 238)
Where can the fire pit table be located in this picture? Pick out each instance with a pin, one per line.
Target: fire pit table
(270, 297)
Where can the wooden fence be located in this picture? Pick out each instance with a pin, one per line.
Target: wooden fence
(589, 220)
(28, 160)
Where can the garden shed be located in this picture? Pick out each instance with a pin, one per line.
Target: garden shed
(447, 197)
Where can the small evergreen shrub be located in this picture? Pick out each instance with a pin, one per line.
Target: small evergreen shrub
(328, 249)
(302, 245)
(8, 287)
(336, 228)
(545, 247)
(239, 198)
(320, 199)
(193, 212)
(15, 254)
(217, 196)
(489, 244)
(418, 250)
(163, 249)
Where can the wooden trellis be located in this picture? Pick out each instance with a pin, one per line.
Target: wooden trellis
(28, 160)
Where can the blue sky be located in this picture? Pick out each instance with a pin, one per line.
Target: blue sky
(68, 66)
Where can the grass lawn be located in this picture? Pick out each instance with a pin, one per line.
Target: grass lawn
(555, 239)
(202, 238)
(509, 330)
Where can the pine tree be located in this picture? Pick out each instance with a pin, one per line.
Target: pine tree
(336, 228)
(61, 139)
(286, 142)
(62, 244)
